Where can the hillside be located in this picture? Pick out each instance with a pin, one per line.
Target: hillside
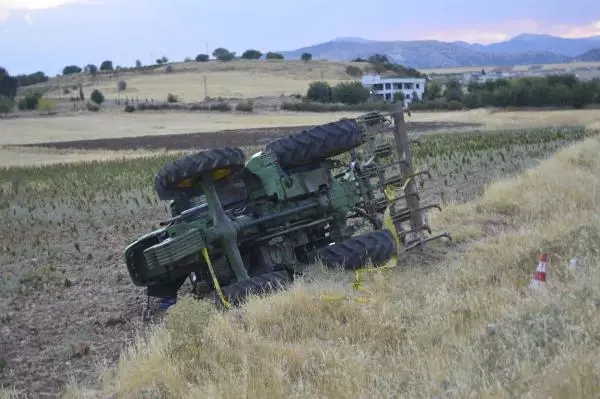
(590, 56)
(522, 49)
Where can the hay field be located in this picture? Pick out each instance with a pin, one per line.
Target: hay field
(113, 125)
(518, 68)
(235, 79)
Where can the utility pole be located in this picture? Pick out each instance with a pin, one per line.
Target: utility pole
(205, 89)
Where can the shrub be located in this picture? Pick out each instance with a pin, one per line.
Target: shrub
(251, 54)
(354, 71)
(122, 85)
(29, 102)
(129, 108)
(319, 91)
(245, 106)
(455, 105)
(221, 106)
(106, 66)
(169, 68)
(306, 57)
(91, 106)
(273, 56)
(350, 93)
(97, 97)
(47, 105)
(6, 105)
(202, 58)
(172, 98)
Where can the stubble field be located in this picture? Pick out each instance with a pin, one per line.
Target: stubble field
(69, 309)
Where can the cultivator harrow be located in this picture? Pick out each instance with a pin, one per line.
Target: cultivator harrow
(247, 226)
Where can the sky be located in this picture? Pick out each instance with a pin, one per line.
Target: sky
(49, 34)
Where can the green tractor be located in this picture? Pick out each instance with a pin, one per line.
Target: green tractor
(248, 226)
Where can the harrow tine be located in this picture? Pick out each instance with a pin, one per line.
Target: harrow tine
(423, 240)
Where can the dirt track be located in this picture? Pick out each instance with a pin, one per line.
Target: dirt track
(185, 141)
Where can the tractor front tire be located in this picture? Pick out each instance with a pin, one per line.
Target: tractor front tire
(175, 181)
(354, 253)
(317, 143)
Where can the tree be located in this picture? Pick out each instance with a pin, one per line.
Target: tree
(273, 56)
(91, 69)
(8, 84)
(6, 105)
(97, 96)
(202, 58)
(71, 69)
(251, 54)
(138, 64)
(319, 91)
(162, 60)
(306, 57)
(222, 54)
(350, 93)
(106, 66)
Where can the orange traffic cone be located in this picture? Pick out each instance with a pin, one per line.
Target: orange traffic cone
(539, 277)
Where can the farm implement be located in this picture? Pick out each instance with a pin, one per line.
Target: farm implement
(249, 226)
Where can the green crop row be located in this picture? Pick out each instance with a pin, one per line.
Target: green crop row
(89, 180)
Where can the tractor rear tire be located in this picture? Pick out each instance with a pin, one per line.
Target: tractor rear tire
(169, 179)
(354, 253)
(317, 143)
(237, 293)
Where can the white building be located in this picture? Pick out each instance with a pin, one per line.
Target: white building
(389, 88)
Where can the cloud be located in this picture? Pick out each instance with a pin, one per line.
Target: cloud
(8, 6)
(484, 34)
(592, 29)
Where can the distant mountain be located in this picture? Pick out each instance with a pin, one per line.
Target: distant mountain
(589, 56)
(528, 42)
(522, 49)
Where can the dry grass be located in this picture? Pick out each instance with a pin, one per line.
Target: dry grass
(238, 79)
(518, 68)
(423, 333)
(114, 125)
(492, 120)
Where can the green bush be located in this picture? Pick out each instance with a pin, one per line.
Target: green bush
(350, 93)
(97, 97)
(354, 71)
(129, 108)
(319, 91)
(454, 105)
(172, 98)
(92, 106)
(6, 105)
(29, 102)
(245, 106)
(311, 106)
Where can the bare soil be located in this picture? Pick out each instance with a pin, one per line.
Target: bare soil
(186, 141)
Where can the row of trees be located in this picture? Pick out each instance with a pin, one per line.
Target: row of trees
(553, 90)
(220, 54)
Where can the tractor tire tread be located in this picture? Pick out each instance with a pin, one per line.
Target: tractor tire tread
(354, 253)
(166, 180)
(317, 143)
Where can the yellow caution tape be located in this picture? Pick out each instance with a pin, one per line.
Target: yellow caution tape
(214, 278)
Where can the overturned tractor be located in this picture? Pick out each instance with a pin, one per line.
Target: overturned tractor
(242, 226)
